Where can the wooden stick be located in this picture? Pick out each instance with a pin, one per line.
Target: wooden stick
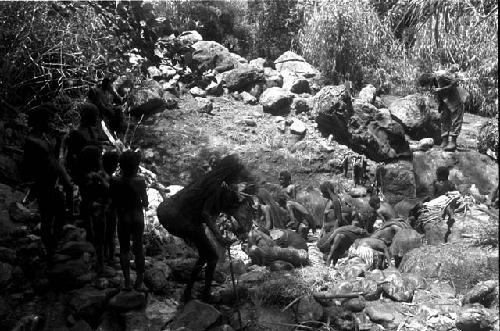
(330, 295)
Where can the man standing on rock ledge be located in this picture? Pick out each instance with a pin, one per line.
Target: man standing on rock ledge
(452, 100)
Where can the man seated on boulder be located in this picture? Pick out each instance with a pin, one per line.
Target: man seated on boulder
(285, 179)
(452, 100)
(383, 210)
(299, 219)
(104, 98)
(442, 184)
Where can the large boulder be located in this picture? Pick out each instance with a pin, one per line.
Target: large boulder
(69, 274)
(88, 303)
(195, 316)
(416, 116)
(487, 140)
(291, 62)
(466, 167)
(362, 126)
(190, 37)
(376, 135)
(149, 98)
(398, 181)
(449, 263)
(276, 101)
(332, 106)
(212, 55)
(243, 77)
(485, 293)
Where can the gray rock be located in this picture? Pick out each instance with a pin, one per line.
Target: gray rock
(298, 127)
(276, 101)
(290, 61)
(355, 304)
(300, 105)
(416, 116)
(21, 214)
(212, 55)
(69, 274)
(214, 88)
(154, 72)
(196, 316)
(204, 105)
(88, 303)
(7, 255)
(243, 77)
(299, 86)
(379, 314)
(5, 274)
(367, 94)
(485, 293)
(156, 278)
(75, 249)
(398, 181)
(425, 144)
(248, 98)
(160, 312)
(127, 300)
(477, 319)
(281, 266)
(190, 37)
(308, 309)
(258, 62)
(197, 92)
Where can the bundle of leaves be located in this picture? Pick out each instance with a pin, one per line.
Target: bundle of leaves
(488, 137)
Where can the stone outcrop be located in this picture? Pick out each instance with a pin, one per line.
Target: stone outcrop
(361, 126)
(416, 116)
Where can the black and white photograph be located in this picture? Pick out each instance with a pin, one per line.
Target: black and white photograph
(249, 165)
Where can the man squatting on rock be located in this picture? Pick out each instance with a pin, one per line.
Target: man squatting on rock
(452, 101)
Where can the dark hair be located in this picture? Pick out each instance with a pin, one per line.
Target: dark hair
(110, 161)
(285, 175)
(442, 173)
(427, 79)
(129, 162)
(327, 187)
(374, 200)
(40, 116)
(105, 83)
(88, 114)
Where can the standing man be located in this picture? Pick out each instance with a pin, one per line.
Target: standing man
(452, 99)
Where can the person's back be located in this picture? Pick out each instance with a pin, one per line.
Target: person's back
(129, 193)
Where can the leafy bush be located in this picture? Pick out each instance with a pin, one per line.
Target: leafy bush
(344, 38)
(488, 137)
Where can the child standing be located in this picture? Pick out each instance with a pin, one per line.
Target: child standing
(110, 161)
(129, 199)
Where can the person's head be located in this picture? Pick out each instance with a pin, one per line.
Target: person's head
(442, 173)
(129, 162)
(285, 178)
(106, 83)
(374, 202)
(327, 189)
(427, 80)
(39, 118)
(88, 114)
(110, 161)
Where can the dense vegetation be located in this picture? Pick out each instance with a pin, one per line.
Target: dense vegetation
(49, 48)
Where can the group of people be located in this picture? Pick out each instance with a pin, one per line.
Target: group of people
(109, 204)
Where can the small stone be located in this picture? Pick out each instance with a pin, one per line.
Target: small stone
(127, 300)
(197, 92)
(298, 127)
(379, 316)
(250, 122)
(355, 304)
(248, 98)
(425, 144)
(205, 106)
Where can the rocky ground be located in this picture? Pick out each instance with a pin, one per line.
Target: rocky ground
(307, 130)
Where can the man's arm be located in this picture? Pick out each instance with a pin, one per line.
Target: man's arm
(144, 194)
